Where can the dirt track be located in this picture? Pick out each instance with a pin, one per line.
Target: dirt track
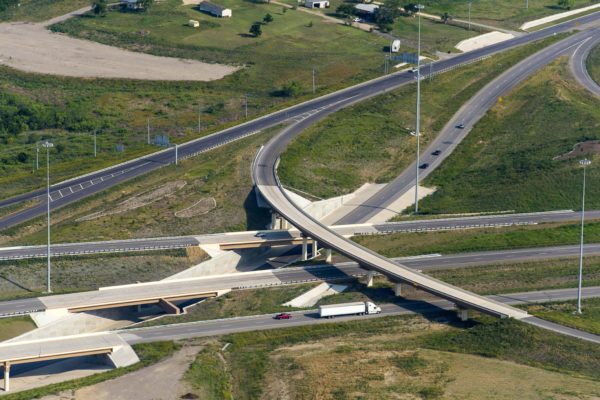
(31, 47)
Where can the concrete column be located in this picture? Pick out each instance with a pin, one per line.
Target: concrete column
(273, 221)
(329, 257)
(139, 308)
(304, 249)
(315, 251)
(284, 224)
(370, 276)
(398, 289)
(463, 314)
(6, 376)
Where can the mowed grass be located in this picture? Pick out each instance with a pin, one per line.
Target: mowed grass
(593, 63)
(371, 141)
(15, 326)
(27, 278)
(565, 313)
(507, 162)
(506, 13)
(40, 10)
(290, 47)
(457, 241)
(407, 357)
(222, 174)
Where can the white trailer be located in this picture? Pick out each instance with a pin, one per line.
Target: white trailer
(358, 308)
(395, 47)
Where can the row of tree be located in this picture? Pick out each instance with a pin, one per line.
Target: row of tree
(100, 7)
(256, 28)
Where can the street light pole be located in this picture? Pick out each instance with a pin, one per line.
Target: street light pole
(246, 103)
(470, 15)
(95, 143)
(37, 156)
(584, 163)
(48, 145)
(418, 122)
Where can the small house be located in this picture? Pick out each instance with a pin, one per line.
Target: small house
(316, 3)
(193, 23)
(366, 9)
(130, 4)
(214, 9)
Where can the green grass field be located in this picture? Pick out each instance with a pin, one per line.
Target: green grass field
(410, 244)
(68, 110)
(27, 278)
(507, 162)
(222, 174)
(506, 13)
(15, 326)
(406, 357)
(593, 63)
(370, 142)
(565, 314)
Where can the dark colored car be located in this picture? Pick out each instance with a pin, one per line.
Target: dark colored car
(283, 316)
(436, 153)
(460, 126)
(424, 165)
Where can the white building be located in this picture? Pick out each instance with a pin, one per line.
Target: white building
(316, 3)
(366, 8)
(214, 9)
(193, 23)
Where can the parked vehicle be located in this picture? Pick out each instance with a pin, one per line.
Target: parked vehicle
(436, 153)
(358, 308)
(460, 126)
(283, 316)
(424, 166)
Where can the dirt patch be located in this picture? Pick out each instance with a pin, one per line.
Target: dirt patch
(201, 207)
(138, 201)
(581, 149)
(33, 48)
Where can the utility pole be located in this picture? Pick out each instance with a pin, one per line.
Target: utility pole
(37, 156)
(199, 121)
(148, 128)
(176, 155)
(527, 4)
(95, 144)
(584, 163)
(470, 15)
(246, 103)
(314, 87)
(48, 145)
(418, 122)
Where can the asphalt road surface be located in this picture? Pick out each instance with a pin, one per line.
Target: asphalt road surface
(163, 243)
(310, 317)
(578, 65)
(75, 189)
(468, 115)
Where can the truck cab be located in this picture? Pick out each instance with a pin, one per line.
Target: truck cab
(372, 308)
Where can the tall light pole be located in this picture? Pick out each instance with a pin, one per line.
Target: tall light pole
(37, 156)
(246, 103)
(470, 15)
(313, 82)
(584, 163)
(148, 129)
(48, 145)
(199, 120)
(418, 122)
(95, 144)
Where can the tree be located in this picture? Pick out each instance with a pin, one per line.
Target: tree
(387, 13)
(411, 8)
(256, 29)
(445, 17)
(99, 7)
(268, 18)
(291, 89)
(566, 4)
(345, 10)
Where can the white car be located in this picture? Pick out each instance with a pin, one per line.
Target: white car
(357, 20)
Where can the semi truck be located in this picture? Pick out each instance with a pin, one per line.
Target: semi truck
(358, 308)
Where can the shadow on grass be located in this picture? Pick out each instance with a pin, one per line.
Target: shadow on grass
(256, 217)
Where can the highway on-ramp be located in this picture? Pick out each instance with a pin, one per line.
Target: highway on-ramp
(77, 188)
(579, 67)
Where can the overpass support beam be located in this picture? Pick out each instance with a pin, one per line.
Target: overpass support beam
(169, 307)
(463, 314)
(370, 277)
(329, 257)
(6, 376)
(304, 248)
(398, 289)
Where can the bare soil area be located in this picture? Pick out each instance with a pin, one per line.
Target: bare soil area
(581, 149)
(201, 207)
(31, 47)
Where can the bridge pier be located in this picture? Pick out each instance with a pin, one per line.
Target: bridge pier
(328, 257)
(398, 289)
(463, 314)
(304, 248)
(274, 221)
(315, 251)
(370, 277)
(6, 376)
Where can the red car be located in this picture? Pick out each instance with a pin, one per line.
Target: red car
(283, 316)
